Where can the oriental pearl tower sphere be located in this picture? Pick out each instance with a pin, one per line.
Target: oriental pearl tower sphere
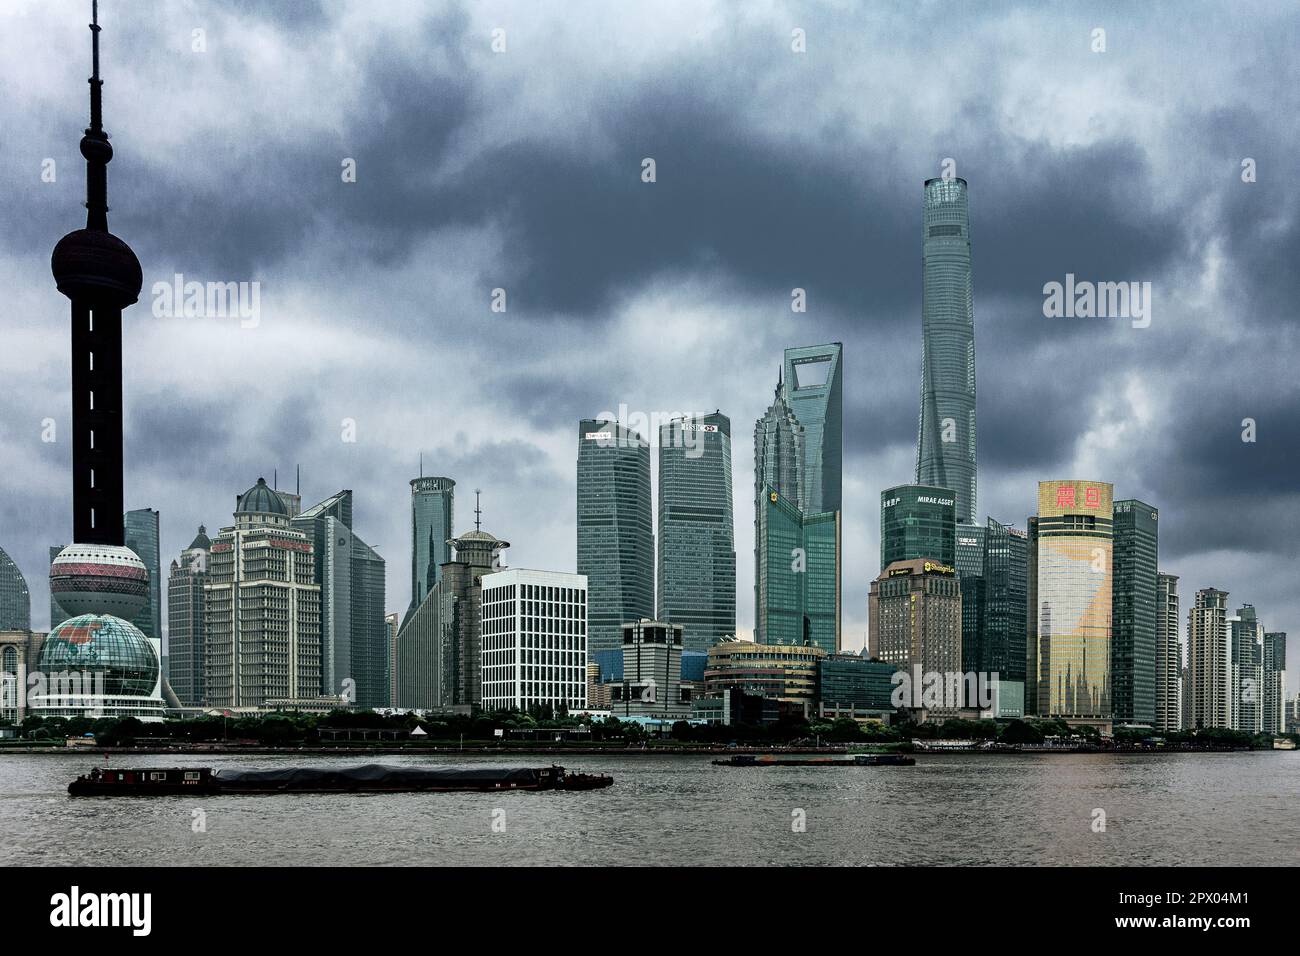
(98, 272)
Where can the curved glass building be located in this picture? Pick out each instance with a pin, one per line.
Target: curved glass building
(98, 665)
(15, 599)
(945, 446)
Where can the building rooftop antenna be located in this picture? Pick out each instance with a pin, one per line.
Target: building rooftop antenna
(478, 512)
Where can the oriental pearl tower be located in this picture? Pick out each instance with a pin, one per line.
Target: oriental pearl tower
(97, 579)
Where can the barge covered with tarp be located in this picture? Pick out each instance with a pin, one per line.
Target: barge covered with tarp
(370, 778)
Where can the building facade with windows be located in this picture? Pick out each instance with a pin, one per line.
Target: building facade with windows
(799, 575)
(142, 536)
(652, 673)
(1209, 662)
(1134, 612)
(1275, 682)
(1073, 591)
(433, 513)
(15, 599)
(915, 618)
(696, 584)
(616, 543)
(917, 521)
(534, 642)
(187, 621)
(262, 610)
(784, 673)
(1169, 655)
(945, 447)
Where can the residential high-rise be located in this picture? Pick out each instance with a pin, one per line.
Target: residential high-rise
(187, 621)
(262, 609)
(1003, 625)
(142, 536)
(1275, 682)
(1246, 635)
(812, 385)
(1209, 662)
(798, 577)
(1134, 612)
(534, 640)
(616, 543)
(914, 614)
(1169, 655)
(696, 585)
(945, 447)
(432, 516)
(1072, 583)
(15, 600)
(354, 638)
(917, 521)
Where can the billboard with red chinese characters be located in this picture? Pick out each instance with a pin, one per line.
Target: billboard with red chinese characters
(1074, 498)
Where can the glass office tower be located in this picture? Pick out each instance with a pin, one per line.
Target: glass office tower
(814, 393)
(1001, 648)
(1074, 539)
(616, 545)
(696, 585)
(917, 521)
(354, 635)
(141, 530)
(1134, 613)
(945, 447)
(968, 550)
(432, 514)
(799, 575)
(15, 600)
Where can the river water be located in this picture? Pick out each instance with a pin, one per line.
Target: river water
(1237, 809)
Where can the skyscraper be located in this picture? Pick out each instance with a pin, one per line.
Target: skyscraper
(797, 492)
(263, 608)
(432, 517)
(1275, 682)
(968, 559)
(1169, 655)
(778, 469)
(354, 639)
(914, 613)
(616, 544)
(1246, 635)
(1001, 647)
(697, 550)
(1073, 583)
(917, 521)
(945, 447)
(798, 576)
(142, 536)
(813, 390)
(186, 621)
(15, 600)
(1134, 612)
(1209, 661)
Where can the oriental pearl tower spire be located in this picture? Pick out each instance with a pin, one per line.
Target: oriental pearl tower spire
(102, 276)
(97, 580)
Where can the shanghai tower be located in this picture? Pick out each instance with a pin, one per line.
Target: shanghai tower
(945, 445)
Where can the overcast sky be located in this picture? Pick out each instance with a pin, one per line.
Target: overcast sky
(521, 170)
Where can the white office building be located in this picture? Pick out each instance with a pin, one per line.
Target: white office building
(534, 641)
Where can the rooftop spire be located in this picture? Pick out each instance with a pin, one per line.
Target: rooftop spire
(94, 145)
(478, 512)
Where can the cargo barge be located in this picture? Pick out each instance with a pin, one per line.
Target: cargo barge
(824, 760)
(371, 778)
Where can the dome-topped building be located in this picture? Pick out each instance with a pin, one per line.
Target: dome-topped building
(261, 505)
(99, 579)
(98, 665)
